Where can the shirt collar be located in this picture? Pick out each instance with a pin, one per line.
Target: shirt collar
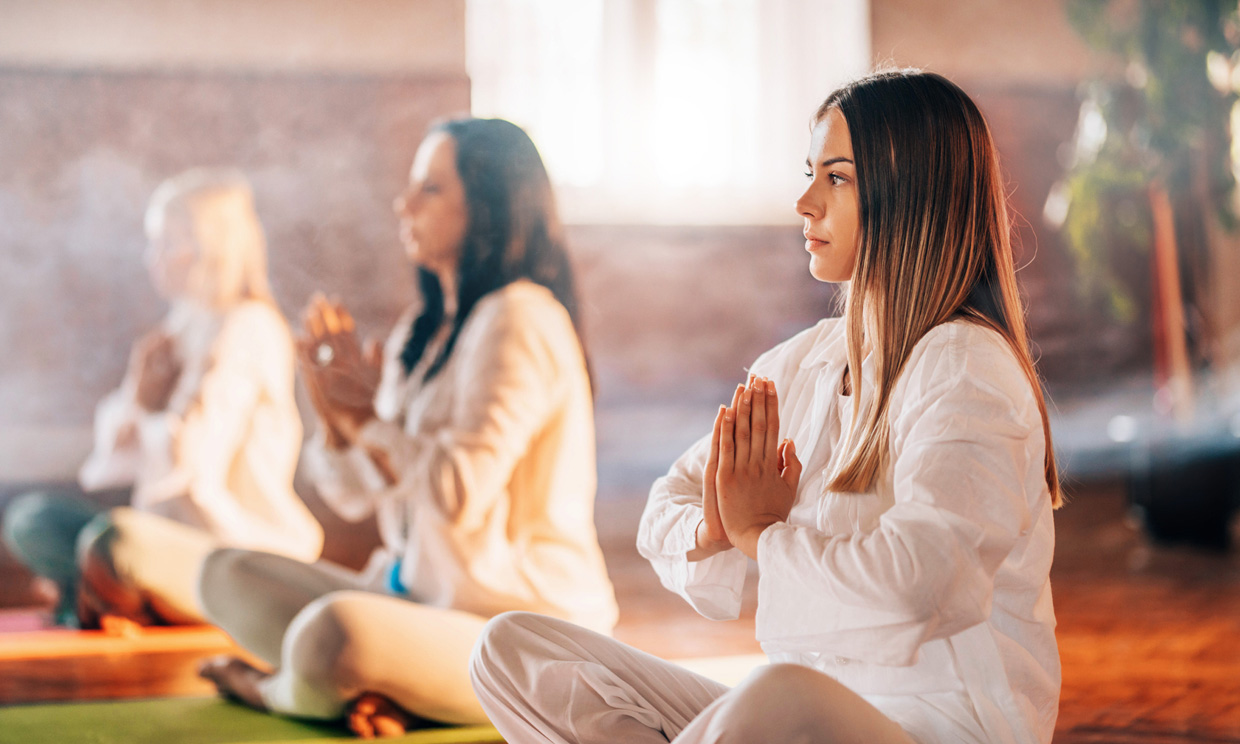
(830, 346)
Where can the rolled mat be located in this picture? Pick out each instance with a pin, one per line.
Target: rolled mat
(190, 721)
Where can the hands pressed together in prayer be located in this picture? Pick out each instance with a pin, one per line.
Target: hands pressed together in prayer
(341, 376)
(751, 476)
(156, 368)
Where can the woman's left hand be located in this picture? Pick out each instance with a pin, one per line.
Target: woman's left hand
(758, 474)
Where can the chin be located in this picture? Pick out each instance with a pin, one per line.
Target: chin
(825, 272)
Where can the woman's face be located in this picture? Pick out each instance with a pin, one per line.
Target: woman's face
(171, 253)
(830, 205)
(433, 212)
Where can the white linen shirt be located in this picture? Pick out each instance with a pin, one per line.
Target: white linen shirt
(935, 581)
(493, 505)
(222, 454)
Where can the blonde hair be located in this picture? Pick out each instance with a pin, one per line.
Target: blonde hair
(935, 244)
(218, 206)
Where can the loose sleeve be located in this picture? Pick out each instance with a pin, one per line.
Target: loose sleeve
(128, 439)
(668, 531)
(962, 453)
(113, 462)
(510, 365)
(251, 355)
(346, 479)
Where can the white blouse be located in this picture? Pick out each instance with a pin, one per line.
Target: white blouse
(493, 505)
(937, 580)
(221, 456)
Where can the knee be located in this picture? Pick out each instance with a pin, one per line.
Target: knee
(221, 572)
(318, 646)
(792, 694)
(95, 543)
(499, 648)
(25, 519)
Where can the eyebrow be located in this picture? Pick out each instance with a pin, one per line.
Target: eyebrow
(829, 161)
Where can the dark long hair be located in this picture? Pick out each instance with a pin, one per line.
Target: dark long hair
(513, 233)
(935, 241)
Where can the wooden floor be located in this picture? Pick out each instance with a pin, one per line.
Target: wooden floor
(1149, 636)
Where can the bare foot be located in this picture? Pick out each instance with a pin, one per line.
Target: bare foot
(373, 716)
(235, 679)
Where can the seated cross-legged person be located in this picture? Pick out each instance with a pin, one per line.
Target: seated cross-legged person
(204, 427)
(891, 472)
(469, 435)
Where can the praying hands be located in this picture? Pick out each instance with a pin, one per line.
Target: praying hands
(341, 375)
(751, 477)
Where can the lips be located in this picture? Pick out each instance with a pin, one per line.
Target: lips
(812, 242)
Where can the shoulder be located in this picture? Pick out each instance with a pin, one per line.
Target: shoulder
(256, 317)
(255, 329)
(522, 308)
(814, 344)
(965, 358)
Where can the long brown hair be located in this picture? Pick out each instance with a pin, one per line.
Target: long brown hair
(514, 233)
(935, 243)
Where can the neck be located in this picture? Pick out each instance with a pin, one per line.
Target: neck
(448, 285)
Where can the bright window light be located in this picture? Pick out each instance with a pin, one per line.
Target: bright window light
(666, 111)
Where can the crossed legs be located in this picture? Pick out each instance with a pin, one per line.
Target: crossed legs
(546, 680)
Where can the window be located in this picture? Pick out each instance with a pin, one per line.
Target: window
(666, 111)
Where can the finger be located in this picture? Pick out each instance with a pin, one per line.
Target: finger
(792, 465)
(742, 426)
(307, 315)
(372, 352)
(314, 323)
(772, 421)
(330, 320)
(346, 319)
(712, 461)
(757, 422)
(727, 442)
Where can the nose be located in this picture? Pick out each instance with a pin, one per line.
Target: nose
(400, 205)
(809, 207)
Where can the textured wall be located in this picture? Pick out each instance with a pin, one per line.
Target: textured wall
(81, 152)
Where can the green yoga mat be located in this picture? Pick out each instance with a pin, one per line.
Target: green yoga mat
(189, 721)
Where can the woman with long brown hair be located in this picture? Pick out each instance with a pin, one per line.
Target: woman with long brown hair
(890, 471)
(469, 436)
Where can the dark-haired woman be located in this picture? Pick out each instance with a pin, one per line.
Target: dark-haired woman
(896, 492)
(470, 436)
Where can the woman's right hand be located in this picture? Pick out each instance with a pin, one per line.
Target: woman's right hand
(341, 377)
(711, 538)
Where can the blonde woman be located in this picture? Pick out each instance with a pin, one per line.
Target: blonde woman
(891, 472)
(204, 426)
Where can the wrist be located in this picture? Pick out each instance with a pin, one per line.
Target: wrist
(333, 439)
(704, 546)
(747, 541)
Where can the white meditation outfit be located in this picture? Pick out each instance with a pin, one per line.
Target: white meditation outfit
(221, 457)
(929, 596)
(215, 468)
(935, 581)
(492, 510)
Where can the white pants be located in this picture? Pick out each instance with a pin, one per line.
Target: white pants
(330, 638)
(156, 557)
(546, 680)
